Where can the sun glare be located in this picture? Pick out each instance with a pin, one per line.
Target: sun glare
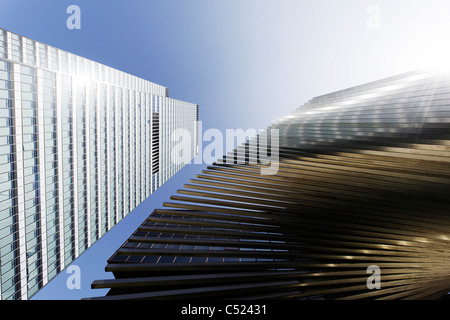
(431, 51)
(80, 81)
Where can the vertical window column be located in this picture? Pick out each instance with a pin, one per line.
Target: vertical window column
(120, 154)
(103, 158)
(79, 89)
(132, 150)
(41, 84)
(9, 237)
(67, 170)
(137, 150)
(112, 156)
(21, 280)
(60, 176)
(93, 162)
(3, 45)
(50, 174)
(127, 146)
(31, 179)
(15, 46)
(89, 167)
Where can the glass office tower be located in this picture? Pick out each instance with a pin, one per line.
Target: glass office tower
(82, 145)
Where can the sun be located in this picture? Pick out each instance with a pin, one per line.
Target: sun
(431, 50)
(438, 58)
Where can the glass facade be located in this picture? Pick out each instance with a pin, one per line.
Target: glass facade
(81, 145)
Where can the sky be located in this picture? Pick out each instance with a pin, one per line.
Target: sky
(245, 62)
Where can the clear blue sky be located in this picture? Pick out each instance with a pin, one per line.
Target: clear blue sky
(245, 62)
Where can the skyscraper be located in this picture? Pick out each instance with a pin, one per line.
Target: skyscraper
(82, 145)
(358, 208)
